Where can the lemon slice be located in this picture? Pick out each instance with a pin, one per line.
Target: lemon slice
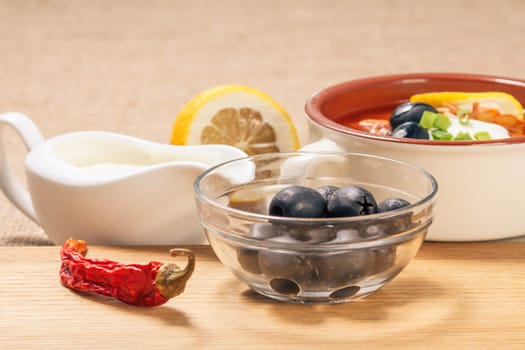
(504, 103)
(235, 115)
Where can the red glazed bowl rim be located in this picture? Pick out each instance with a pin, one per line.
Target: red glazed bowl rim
(313, 107)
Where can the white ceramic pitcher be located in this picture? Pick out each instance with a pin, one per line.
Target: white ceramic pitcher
(108, 188)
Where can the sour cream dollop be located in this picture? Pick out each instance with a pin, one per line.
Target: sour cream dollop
(474, 126)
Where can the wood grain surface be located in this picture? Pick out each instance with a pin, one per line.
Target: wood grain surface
(452, 296)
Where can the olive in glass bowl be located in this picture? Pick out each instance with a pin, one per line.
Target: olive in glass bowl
(333, 256)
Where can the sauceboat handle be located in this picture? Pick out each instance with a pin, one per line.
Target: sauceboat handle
(9, 184)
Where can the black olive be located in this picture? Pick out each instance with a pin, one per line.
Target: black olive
(284, 286)
(410, 130)
(409, 112)
(326, 191)
(391, 204)
(371, 231)
(313, 234)
(359, 231)
(351, 201)
(248, 258)
(345, 292)
(297, 201)
(346, 235)
(286, 264)
(343, 268)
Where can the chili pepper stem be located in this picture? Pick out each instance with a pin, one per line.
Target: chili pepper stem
(171, 279)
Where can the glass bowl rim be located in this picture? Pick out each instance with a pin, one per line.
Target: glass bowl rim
(262, 218)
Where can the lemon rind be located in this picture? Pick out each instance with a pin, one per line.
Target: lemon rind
(183, 122)
(509, 103)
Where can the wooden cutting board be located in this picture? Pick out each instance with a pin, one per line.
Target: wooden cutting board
(453, 295)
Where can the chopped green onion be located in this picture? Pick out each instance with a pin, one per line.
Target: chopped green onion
(463, 116)
(430, 120)
(462, 136)
(427, 119)
(482, 135)
(442, 122)
(441, 135)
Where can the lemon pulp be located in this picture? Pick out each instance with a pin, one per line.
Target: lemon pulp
(235, 115)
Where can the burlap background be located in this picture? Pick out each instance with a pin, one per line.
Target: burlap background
(128, 66)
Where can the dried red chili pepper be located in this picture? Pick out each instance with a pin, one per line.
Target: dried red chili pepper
(151, 284)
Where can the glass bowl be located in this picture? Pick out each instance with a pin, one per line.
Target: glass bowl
(313, 260)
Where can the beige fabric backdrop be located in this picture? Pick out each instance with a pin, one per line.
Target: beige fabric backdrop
(129, 66)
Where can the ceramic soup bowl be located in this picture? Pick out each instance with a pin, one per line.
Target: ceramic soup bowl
(480, 181)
